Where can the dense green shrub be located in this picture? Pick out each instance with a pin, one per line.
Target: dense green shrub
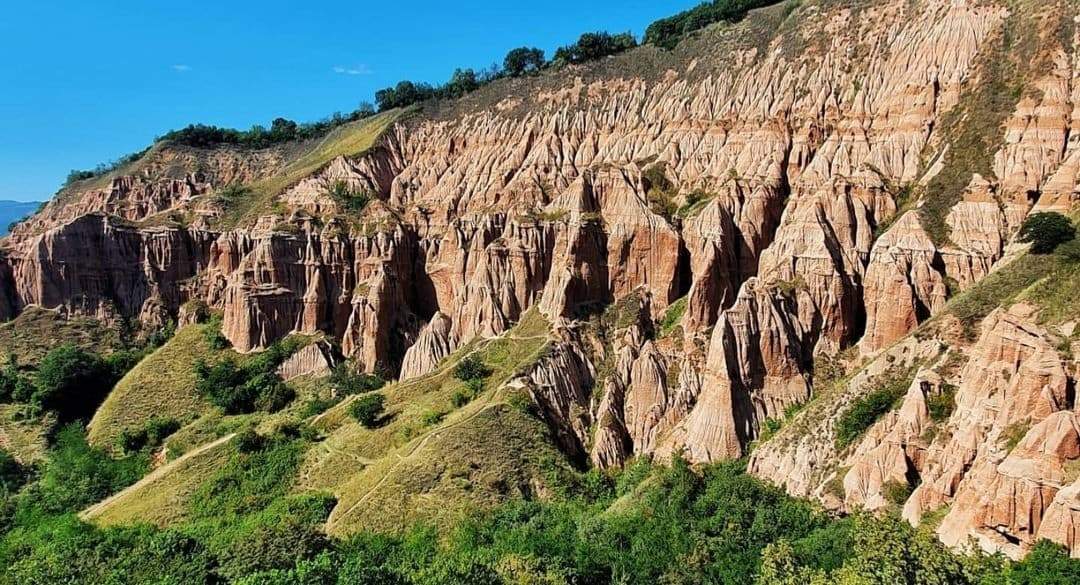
(523, 60)
(12, 474)
(595, 45)
(255, 385)
(465, 394)
(667, 32)
(152, 434)
(897, 492)
(867, 409)
(239, 389)
(1048, 563)
(348, 382)
(367, 409)
(72, 382)
(471, 368)
(943, 403)
(78, 475)
(281, 130)
(14, 385)
(351, 199)
(249, 440)
(1046, 231)
(215, 339)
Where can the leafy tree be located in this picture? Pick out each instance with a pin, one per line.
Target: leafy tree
(367, 409)
(347, 382)
(72, 382)
(1048, 563)
(215, 339)
(523, 60)
(281, 130)
(1045, 231)
(405, 93)
(780, 567)
(461, 82)
(78, 475)
(667, 32)
(595, 45)
(471, 368)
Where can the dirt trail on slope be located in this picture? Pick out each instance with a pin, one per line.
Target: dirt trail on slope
(96, 509)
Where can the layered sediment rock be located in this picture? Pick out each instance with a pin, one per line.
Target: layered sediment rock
(754, 177)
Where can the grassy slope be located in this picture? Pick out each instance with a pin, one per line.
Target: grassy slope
(349, 140)
(161, 385)
(409, 468)
(161, 497)
(24, 438)
(406, 470)
(35, 331)
(478, 454)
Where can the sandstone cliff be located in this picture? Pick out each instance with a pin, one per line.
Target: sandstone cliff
(710, 234)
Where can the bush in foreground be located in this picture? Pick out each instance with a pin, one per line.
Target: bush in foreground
(367, 409)
(1046, 231)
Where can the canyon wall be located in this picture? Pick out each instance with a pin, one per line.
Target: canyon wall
(798, 189)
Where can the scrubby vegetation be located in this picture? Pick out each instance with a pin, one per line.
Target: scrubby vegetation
(942, 404)
(347, 381)
(673, 316)
(595, 45)
(667, 32)
(70, 380)
(1046, 231)
(103, 168)
(354, 200)
(867, 409)
(281, 130)
(646, 524)
(246, 387)
(151, 434)
(972, 130)
(367, 409)
(518, 62)
(215, 339)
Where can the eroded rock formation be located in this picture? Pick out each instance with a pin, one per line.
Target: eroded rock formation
(706, 235)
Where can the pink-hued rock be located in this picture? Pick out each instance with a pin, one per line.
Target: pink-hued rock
(432, 345)
(315, 359)
(755, 179)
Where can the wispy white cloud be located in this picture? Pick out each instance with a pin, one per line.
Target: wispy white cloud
(181, 68)
(357, 70)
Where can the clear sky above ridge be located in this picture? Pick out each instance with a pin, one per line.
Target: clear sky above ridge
(86, 82)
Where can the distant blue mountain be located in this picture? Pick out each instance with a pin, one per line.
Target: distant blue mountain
(11, 211)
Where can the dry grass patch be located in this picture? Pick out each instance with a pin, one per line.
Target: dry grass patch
(24, 437)
(162, 497)
(162, 384)
(35, 331)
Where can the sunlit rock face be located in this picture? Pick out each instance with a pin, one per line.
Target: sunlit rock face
(704, 233)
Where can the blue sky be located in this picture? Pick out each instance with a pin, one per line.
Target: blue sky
(86, 82)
